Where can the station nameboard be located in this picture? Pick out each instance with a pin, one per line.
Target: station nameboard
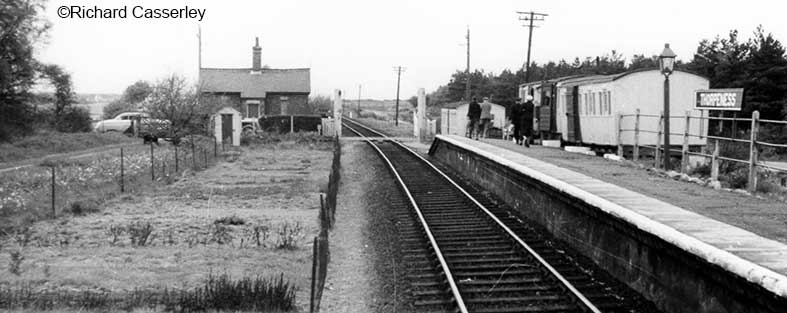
(719, 99)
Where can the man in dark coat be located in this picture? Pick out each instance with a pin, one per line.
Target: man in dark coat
(516, 116)
(526, 121)
(473, 117)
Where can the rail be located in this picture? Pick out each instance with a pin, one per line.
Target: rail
(581, 299)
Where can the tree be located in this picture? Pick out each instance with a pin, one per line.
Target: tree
(131, 99)
(21, 26)
(64, 116)
(321, 104)
(175, 100)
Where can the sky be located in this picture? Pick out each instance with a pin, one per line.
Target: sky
(348, 43)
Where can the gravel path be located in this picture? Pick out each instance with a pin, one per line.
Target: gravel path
(765, 217)
(362, 273)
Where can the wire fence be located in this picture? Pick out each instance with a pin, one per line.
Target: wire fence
(321, 256)
(720, 146)
(54, 187)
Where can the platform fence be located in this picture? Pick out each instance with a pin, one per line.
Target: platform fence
(732, 142)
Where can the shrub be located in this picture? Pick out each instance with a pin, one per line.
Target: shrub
(230, 220)
(82, 207)
(140, 233)
(246, 294)
(73, 119)
(260, 233)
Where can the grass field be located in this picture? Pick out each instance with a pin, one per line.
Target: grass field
(48, 142)
(254, 214)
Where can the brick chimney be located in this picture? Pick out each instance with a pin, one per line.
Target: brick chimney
(256, 56)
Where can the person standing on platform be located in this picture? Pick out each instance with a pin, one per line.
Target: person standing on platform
(486, 116)
(516, 116)
(473, 117)
(526, 121)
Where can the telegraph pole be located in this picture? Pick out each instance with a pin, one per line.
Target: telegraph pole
(467, 70)
(530, 17)
(398, 70)
(359, 100)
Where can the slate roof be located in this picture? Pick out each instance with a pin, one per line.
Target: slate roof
(255, 85)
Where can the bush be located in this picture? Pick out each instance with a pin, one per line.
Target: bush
(230, 220)
(289, 234)
(80, 208)
(73, 120)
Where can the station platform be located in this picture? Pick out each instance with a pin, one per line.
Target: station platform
(667, 238)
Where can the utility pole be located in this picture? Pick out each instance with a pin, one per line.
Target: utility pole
(359, 100)
(398, 70)
(530, 17)
(467, 70)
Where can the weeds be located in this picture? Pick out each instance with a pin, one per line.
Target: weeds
(114, 232)
(140, 233)
(220, 234)
(15, 262)
(289, 234)
(260, 233)
(80, 208)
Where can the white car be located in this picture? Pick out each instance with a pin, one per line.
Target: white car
(120, 123)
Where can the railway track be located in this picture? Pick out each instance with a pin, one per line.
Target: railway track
(467, 253)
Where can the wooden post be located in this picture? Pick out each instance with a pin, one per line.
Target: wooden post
(755, 125)
(658, 140)
(54, 212)
(215, 148)
(684, 167)
(193, 153)
(618, 125)
(122, 172)
(176, 158)
(152, 165)
(636, 136)
(714, 162)
(292, 124)
(312, 298)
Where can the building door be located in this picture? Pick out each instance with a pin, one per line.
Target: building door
(284, 107)
(572, 114)
(226, 128)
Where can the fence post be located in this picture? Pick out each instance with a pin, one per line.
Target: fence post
(205, 154)
(54, 212)
(636, 136)
(684, 167)
(315, 260)
(714, 162)
(152, 166)
(122, 173)
(193, 153)
(292, 124)
(658, 140)
(618, 125)
(215, 148)
(755, 128)
(176, 159)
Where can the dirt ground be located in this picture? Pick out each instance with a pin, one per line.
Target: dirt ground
(267, 186)
(362, 274)
(762, 216)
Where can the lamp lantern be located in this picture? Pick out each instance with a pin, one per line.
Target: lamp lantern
(667, 60)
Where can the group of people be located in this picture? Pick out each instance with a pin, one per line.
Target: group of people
(479, 119)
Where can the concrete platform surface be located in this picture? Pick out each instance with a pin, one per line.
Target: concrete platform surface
(757, 259)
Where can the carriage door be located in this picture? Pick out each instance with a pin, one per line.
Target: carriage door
(226, 127)
(572, 114)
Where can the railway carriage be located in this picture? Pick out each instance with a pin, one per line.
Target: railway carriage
(584, 109)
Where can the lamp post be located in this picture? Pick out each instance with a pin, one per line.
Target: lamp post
(667, 64)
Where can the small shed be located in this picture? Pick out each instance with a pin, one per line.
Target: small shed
(227, 126)
(453, 118)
